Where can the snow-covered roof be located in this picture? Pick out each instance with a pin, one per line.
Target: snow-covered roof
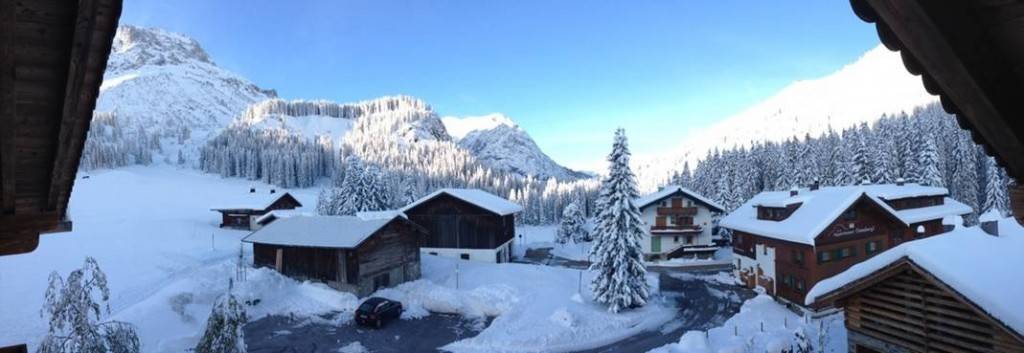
(648, 199)
(820, 207)
(979, 266)
(318, 231)
(253, 201)
(386, 214)
(281, 214)
(480, 198)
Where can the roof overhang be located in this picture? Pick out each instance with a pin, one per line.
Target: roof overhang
(52, 57)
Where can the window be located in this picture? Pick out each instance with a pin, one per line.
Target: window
(787, 280)
(433, 253)
(689, 239)
(844, 253)
(800, 285)
(850, 214)
(824, 256)
(464, 256)
(871, 247)
(675, 239)
(798, 257)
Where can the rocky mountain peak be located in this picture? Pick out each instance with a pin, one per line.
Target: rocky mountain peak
(135, 47)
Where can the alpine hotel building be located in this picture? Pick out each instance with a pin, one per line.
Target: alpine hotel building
(787, 241)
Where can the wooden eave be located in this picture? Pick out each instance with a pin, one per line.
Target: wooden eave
(52, 57)
(837, 296)
(971, 54)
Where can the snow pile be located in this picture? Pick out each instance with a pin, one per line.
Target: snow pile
(354, 347)
(762, 325)
(533, 306)
(957, 258)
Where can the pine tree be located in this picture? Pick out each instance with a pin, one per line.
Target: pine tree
(573, 225)
(927, 165)
(965, 176)
(861, 163)
(996, 197)
(620, 280)
(223, 332)
(74, 307)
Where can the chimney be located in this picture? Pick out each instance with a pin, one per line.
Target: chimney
(272, 191)
(794, 191)
(252, 190)
(816, 184)
(900, 182)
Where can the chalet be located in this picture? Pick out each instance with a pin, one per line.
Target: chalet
(955, 292)
(468, 224)
(787, 241)
(681, 223)
(346, 252)
(244, 214)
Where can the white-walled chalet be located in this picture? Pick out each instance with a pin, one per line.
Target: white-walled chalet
(680, 223)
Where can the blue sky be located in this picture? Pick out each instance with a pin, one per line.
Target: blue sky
(568, 71)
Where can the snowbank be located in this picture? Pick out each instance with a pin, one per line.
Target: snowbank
(533, 306)
(762, 325)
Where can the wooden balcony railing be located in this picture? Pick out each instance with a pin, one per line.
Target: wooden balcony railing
(677, 211)
(679, 228)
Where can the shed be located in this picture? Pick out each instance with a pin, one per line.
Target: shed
(468, 224)
(244, 215)
(345, 252)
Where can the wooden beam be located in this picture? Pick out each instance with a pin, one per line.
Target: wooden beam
(81, 92)
(8, 121)
(918, 33)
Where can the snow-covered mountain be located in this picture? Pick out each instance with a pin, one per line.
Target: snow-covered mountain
(876, 84)
(165, 85)
(501, 144)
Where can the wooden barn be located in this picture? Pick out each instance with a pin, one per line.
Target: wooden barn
(255, 205)
(958, 292)
(467, 224)
(346, 252)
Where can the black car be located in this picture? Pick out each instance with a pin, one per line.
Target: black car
(377, 311)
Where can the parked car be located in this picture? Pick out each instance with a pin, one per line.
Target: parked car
(378, 311)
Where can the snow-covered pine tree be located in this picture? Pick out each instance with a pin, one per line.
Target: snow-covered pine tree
(223, 332)
(352, 192)
(620, 279)
(996, 197)
(573, 225)
(927, 164)
(73, 308)
(965, 176)
(861, 164)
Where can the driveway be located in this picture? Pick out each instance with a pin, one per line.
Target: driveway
(282, 334)
(701, 304)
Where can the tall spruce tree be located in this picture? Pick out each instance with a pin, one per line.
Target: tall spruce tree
(996, 197)
(620, 278)
(927, 164)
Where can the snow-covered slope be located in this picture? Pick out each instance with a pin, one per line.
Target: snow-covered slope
(166, 85)
(499, 143)
(460, 127)
(877, 83)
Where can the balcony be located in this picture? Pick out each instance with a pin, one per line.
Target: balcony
(676, 229)
(677, 211)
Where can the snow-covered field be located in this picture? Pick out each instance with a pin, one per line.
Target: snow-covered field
(152, 232)
(537, 237)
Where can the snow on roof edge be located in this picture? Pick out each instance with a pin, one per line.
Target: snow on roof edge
(480, 198)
